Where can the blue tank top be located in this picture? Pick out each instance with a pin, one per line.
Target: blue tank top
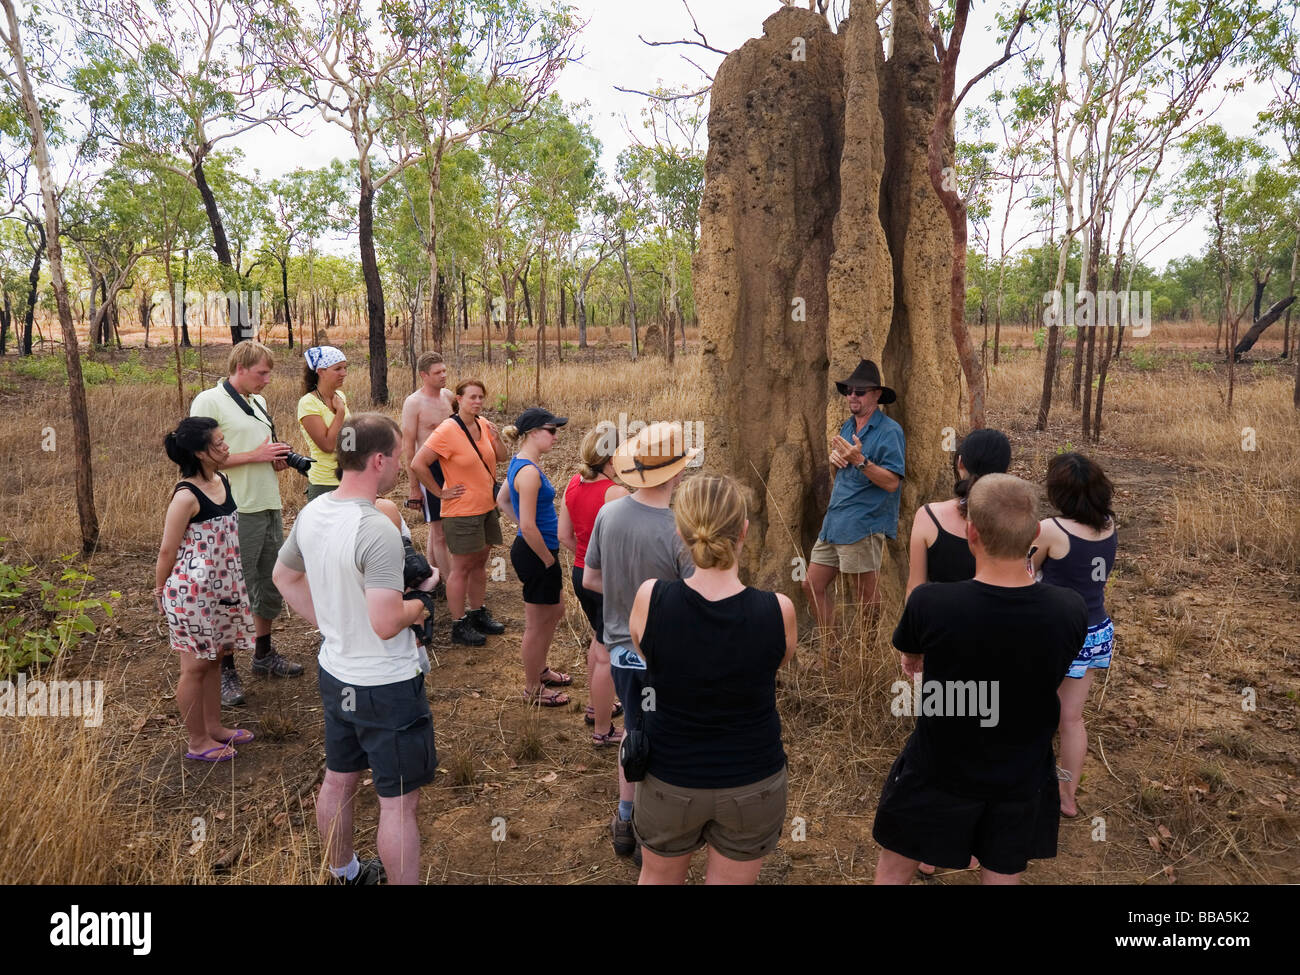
(548, 522)
(1085, 569)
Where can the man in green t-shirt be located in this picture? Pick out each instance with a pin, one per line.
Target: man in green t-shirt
(255, 459)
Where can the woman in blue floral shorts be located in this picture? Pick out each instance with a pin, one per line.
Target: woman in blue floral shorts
(1077, 551)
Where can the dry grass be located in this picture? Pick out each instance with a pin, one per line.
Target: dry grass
(98, 807)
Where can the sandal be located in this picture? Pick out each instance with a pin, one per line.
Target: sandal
(207, 756)
(551, 699)
(556, 679)
(590, 716)
(614, 737)
(242, 736)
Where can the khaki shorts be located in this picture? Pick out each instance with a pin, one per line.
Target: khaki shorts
(472, 533)
(864, 555)
(261, 533)
(743, 823)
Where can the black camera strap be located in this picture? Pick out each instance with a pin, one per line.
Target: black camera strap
(243, 405)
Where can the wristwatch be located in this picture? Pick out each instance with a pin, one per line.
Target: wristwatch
(863, 466)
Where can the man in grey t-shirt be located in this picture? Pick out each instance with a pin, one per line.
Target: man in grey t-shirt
(635, 539)
(341, 569)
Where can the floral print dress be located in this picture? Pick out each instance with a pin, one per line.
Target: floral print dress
(205, 598)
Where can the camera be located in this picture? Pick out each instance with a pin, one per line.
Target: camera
(299, 463)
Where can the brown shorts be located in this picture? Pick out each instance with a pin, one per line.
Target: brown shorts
(743, 823)
(864, 555)
(472, 533)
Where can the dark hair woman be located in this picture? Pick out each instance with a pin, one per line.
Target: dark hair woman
(322, 411)
(938, 549)
(199, 584)
(1077, 551)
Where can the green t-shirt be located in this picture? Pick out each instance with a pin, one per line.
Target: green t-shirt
(256, 487)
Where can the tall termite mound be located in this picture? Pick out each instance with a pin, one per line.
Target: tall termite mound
(821, 242)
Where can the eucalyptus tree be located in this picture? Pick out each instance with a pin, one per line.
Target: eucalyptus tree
(177, 78)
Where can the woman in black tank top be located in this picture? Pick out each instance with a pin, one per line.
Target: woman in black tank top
(712, 647)
(938, 549)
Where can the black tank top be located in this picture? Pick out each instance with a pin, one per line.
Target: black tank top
(712, 665)
(208, 509)
(1085, 569)
(949, 559)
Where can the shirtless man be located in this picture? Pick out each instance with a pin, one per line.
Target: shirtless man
(421, 413)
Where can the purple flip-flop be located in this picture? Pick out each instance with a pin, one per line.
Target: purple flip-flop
(207, 756)
(242, 736)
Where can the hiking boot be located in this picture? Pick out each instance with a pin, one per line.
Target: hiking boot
(636, 854)
(621, 835)
(273, 665)
(372, 872)
(463, 631)
(232, 690)
(484, 623)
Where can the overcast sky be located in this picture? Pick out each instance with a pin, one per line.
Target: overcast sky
(613, 55)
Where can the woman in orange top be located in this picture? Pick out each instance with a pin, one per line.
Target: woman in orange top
(469, 448)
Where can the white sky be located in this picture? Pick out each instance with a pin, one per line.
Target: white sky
(614, 56)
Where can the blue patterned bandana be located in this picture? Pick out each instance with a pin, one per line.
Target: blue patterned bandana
(323, 356)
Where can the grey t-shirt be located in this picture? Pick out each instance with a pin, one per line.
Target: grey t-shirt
(346, 546)
(630, 543)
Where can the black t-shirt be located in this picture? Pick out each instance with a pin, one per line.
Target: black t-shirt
(994, 658)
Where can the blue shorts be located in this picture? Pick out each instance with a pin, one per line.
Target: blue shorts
(1097, 646)
(629, 673)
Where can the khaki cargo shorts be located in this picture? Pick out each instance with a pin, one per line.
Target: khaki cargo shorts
(742, 823)
(864, 555)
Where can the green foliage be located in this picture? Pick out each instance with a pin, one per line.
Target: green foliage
(39, 618)
(1143, 359)
(53, 369)
(1202, 367)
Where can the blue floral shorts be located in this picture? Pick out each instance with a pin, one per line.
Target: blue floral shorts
(1097, 646)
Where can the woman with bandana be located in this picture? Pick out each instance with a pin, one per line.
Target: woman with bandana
(322, 411)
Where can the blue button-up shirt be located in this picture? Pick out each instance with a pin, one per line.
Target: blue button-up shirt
(859, 508)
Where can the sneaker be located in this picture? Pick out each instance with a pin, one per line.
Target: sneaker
(463, 631)
(621, 835)
(372, 872)
(485, 623)
(232, 690)
(273, 665)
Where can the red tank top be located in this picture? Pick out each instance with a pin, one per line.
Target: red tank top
(582, 499)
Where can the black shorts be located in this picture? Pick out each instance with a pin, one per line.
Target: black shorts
(919, 820)
(542, 584)
(628, 684)
(593, 604)
(433, 505)
(386, 728)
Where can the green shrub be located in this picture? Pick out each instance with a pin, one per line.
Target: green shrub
(1143, 360)
(40, 619)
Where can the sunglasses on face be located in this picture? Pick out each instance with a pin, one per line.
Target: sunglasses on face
(861, 392)
(552, 430)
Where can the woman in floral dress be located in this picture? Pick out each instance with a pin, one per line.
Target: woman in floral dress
(200, 585)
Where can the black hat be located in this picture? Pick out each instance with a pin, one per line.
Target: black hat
(535, 417)
(867, 376)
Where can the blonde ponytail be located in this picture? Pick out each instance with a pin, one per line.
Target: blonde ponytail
(710, 514)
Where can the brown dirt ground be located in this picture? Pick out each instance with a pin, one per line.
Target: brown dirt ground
(1192, 788)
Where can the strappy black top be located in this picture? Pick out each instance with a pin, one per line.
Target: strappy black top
(949, 559)
(208, 509)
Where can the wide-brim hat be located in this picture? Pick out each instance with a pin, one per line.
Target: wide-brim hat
(655, 455)
(867, 375)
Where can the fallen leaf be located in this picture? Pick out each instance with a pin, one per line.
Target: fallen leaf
(1169, 872)
(139, 725)
(1159, 685)
(1155, 842)
(280, 819)
(1163, 830)
(475, 694)
(548, 777)
(579, 768)
(220, 814)
(194, 849)
(1280, 797)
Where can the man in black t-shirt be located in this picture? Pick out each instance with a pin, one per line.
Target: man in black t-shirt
(986, 656)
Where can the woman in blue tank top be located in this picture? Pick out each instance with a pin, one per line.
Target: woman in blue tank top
(712, 647)
(535, 553)
(1077, 551)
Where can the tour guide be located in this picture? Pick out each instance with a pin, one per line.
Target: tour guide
(863, 512)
